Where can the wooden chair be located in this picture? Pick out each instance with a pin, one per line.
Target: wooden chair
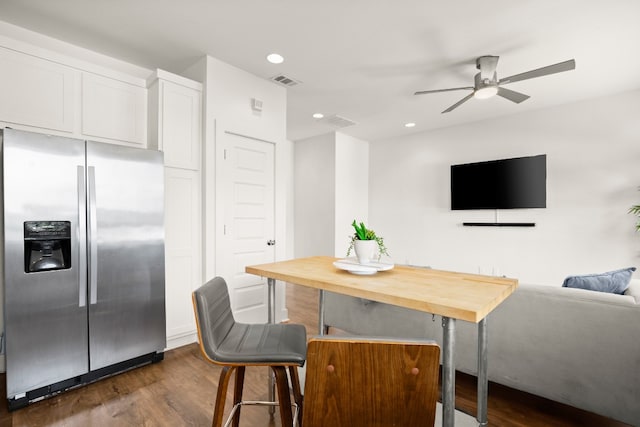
(235, 346)
(370, 382)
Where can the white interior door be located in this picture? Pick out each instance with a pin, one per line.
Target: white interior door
(247, 187)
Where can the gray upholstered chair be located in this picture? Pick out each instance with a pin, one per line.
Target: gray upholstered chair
(360, 382)
(235, 346)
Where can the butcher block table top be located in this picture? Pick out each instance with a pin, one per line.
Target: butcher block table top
(463, 296)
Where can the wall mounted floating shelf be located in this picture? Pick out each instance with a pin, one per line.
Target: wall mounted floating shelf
(499, 224)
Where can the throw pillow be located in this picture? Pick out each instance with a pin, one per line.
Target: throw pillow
(615, 282)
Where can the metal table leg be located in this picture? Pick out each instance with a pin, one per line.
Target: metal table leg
(321, 326)
(271, 313)
(448, 371)
(483, 374)
(271, 300)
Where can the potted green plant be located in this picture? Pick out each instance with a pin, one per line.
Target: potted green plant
(366, 244)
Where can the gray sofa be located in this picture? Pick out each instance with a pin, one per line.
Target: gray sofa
(574, 346)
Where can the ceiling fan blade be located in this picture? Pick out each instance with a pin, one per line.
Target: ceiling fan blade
(422, 92)
(539, 72)
(512, 95)
(457, 104)
(487, 66)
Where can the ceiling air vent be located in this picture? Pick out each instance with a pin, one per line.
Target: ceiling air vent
(338, 121)
(285, 80)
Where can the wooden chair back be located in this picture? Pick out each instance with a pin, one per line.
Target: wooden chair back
(371, 382)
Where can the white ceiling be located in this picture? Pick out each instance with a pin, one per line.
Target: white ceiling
(363, 59)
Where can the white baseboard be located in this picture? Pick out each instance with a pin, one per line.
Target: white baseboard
(182, 339)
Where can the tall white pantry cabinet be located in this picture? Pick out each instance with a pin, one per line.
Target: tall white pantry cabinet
(175, 122)
(45, 91)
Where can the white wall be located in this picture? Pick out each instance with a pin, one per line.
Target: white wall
(231, 90)
(593, 175)
(314, 198)
(331, 190)
(351, 189)
(290, 206)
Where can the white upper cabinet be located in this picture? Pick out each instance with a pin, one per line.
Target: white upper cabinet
(36, 92)
(175, 110)
(47, 92)
(113, 109)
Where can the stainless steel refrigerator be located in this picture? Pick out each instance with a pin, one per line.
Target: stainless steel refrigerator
(83, 261)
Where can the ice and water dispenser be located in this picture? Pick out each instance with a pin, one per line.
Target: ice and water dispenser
(47, 246)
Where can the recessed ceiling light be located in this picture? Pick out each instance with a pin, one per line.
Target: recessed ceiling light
(318, 115)
(275, 58)
(409, 125)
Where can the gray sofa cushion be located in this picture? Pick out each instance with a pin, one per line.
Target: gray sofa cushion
(615, 282)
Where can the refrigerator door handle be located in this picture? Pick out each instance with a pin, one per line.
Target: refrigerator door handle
(82, 239)
(93, 235)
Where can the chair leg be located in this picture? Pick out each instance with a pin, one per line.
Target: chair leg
(237, 394)
(284, 397)
(297, 393)
(223, 385)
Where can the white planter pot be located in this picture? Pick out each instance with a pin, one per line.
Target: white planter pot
(366, 251)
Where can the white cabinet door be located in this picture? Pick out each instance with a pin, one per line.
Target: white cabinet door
(182, 252)
(180, 124)
(36, 92)
(113, 109)
(175, 119)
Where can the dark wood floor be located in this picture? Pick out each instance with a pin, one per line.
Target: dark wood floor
(180, 390)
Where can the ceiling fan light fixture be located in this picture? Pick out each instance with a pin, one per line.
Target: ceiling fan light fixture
(486, 83)
(485, 92)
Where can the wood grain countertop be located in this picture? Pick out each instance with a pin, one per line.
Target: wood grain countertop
(464, 296)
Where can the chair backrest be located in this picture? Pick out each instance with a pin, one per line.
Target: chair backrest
(214, 318)
(370, 382)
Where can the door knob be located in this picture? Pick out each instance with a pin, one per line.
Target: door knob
(271, 242)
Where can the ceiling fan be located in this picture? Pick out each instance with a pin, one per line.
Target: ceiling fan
(486, 83)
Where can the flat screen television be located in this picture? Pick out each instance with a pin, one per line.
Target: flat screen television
(516, 183)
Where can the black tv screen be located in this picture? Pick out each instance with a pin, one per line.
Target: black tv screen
(500, 184)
